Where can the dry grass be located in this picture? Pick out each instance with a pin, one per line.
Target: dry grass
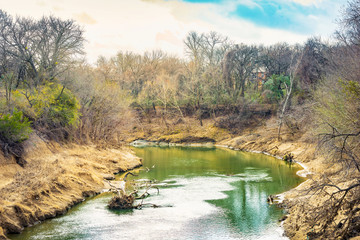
(54, 179)
(175, 130)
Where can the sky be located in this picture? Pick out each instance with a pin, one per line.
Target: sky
(144, 25)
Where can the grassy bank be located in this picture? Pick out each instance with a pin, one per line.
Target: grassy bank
(54, 179)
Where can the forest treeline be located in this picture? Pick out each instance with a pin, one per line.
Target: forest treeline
(48, 87)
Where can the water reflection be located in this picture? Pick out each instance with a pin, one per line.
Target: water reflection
(213, 194)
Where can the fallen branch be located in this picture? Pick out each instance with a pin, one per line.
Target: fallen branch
(122, 200)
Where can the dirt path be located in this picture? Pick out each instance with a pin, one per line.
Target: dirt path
(54, 179)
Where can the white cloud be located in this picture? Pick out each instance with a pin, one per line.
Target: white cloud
(308, 2)
(85, 18)
(135, 25)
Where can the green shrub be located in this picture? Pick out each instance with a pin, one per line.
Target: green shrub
(14, 128)
(56, 105)
(276, 85)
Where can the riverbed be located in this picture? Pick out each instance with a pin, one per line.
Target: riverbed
(204, 193)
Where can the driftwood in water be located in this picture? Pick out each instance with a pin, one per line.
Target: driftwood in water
(122, 200)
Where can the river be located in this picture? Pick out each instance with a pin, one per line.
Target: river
(205, 193)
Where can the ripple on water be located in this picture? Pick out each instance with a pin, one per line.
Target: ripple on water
(190, 217)
(215, 198)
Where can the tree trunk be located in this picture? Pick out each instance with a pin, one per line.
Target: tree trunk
(288, 93)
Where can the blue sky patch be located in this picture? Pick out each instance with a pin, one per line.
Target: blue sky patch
(288, 16)
(278, 14)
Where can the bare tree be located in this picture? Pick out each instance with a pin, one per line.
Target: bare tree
(41, 49)
(336, 214)
(60, 40)
(18, 39)
(194, 42)
(239, 62)
(349, 32)
(276, 58)
(296, 60)
(214, 47)
(313, 64)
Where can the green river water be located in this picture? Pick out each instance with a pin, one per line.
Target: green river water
(205, 193)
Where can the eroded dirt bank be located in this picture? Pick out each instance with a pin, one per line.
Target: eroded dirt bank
(54, 179)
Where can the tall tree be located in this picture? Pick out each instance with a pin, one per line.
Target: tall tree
(313, 64)
(276, 58)
(38, 50)
(239, 62)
